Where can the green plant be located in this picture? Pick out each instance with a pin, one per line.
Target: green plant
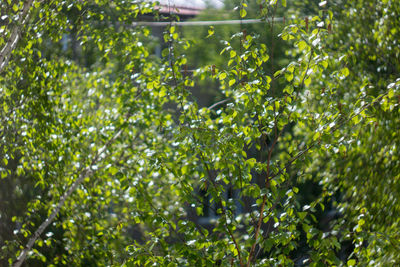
(104, 158)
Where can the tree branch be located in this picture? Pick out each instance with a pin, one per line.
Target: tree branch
(86, 172)
(223, 211)
(12, 42)
(219, 103)
(301, 153)
(292, 160)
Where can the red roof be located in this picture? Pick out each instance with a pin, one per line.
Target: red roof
(178, 10)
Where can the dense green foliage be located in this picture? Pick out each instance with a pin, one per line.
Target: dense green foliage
(361, 161)
(107, 159)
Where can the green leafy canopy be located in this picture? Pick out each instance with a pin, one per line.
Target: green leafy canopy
(110, 156)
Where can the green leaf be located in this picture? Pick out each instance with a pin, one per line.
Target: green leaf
(351, 262)
(391, 93)
(301, 45)
(289, 76)
(222, 75)
(307, 81)
(277, 73)
(243, 12)
(345, 72)
(210, 32)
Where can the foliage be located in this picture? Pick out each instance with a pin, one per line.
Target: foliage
(363, 164)
(207, 50)
(104, 152)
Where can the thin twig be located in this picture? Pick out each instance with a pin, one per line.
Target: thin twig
(267, 179)
(218, 103)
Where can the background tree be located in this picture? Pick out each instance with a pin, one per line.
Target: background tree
(361, 169)
(102, 171)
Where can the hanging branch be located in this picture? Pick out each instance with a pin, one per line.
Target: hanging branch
(12, 42)
(277, 135)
